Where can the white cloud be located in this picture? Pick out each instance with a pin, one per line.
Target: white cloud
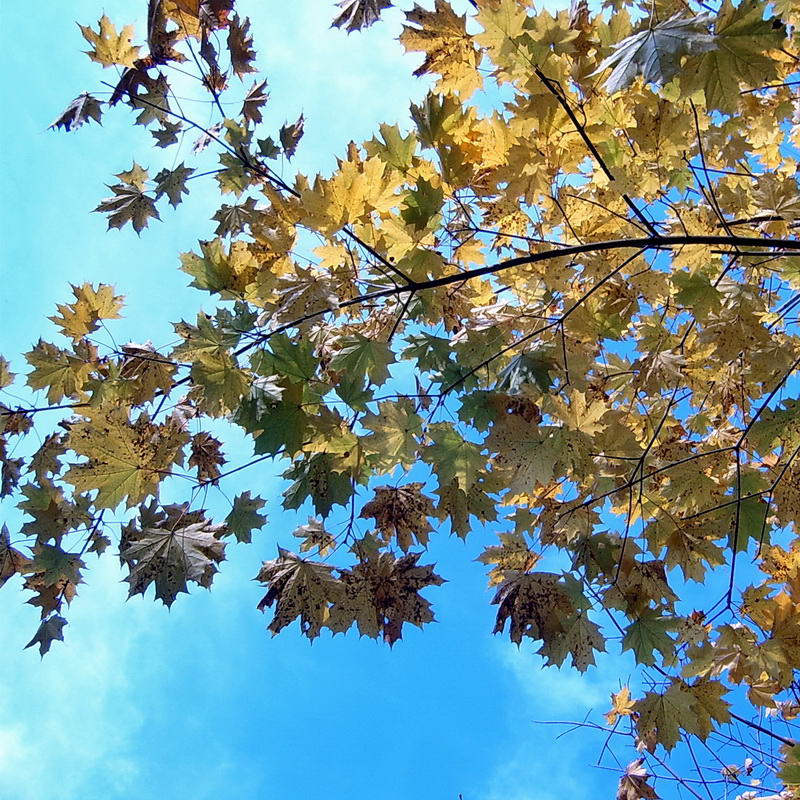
(70, 720)
(545, 762)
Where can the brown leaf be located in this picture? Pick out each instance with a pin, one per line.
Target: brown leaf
(298, 588)
(290, 135)
(83, 108)
(381, 594)
(255, 100)
(633, 784)
(206, 456)
(401, 512)
(240, 45)
(12, 560)
(358, 14)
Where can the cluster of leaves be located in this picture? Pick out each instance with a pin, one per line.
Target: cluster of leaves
(569, 315)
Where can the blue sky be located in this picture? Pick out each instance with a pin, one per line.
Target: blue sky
(200, 702)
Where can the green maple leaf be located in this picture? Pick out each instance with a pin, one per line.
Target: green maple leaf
(234, 177)
(244, 517)
(789, 772)
(452, 457)
(172, 183)
(363, 357)
(664, 714)
(285, 357)
(62, 372)
(277, 426)
(54, 565)
(223, 382)
(172, 547)
(696, 291)
(525, 369)
(50, 630)
(204, 339)
(580, 639)
(126, 461)
(394, 433)
(167, 134)
(709, 709)
(743, 38)
(315, 480)
(648, 634)
(395, 149)
(422, 204)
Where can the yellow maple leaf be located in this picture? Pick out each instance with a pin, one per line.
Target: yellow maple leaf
(449, 49)
(91, 304)
(110, 48)
(358, 188)
(621, 705)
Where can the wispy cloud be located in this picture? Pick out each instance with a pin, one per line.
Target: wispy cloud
(550, 761)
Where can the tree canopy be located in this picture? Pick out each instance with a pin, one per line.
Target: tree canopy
(559, 305)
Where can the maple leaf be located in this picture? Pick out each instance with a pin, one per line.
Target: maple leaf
(82, 109)
(512, 555)
(126, 460)
(314, 537)
(449, 50)
(52, 565)
(665, 713)
(381, 594)
(647, 634)
(170, 547)
(633, 784)
(621, 706)
(358, 14)
(6, 375)
(789, 772)
(540, 606)
(453, 457)
(167, 134)
(240, 46)
(173, 183)
(129, 203)
(254, 101)
(110, 48)
(298, 588)
(233, 219)
(49, 631)
(290, 136)
(91, 305)
(245, 517)
(315, 479)
(743, 39)
(401, 512)
(62, 372)
(145, 372)
(394, 432)
(206, 455)
(12, 561)
(656, 53)
(395, 150)
(363, 358)
(422, 204)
